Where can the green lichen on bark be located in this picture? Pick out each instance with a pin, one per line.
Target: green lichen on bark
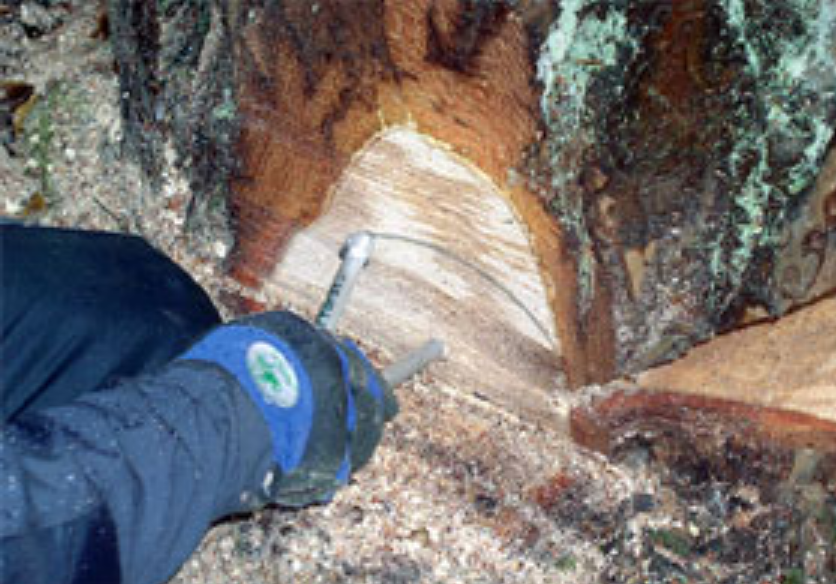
(587, 46)
(779, 147)
(706, 124)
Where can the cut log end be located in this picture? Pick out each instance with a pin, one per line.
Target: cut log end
(308, 107)
(451, 260)
(768, 389)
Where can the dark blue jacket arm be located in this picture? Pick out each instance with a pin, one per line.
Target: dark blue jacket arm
(121, 485)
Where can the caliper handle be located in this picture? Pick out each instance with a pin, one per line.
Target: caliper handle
(413, 363)
(355, 254)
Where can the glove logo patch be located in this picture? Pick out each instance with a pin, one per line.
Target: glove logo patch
(273, 375)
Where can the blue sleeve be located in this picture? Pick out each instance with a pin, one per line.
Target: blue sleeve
(121, 485)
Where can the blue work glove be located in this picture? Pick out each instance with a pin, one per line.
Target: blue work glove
(324, 403)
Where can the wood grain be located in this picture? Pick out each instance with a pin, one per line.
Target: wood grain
(404, 184)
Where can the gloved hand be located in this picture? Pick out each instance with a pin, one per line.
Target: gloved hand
(323, 401)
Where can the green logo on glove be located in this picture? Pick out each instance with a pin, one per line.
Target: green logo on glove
(273, 375)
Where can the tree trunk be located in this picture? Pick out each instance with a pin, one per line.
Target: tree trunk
(670, 160)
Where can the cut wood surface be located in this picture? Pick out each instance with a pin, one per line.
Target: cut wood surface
(788, 364)
(769, 388)
(501, 346)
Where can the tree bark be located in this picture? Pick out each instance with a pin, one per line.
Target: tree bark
(669, 158)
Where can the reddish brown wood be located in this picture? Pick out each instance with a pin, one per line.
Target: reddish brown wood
(308, 105)
(610, 423)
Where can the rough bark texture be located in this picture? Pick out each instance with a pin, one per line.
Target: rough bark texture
(665, 155)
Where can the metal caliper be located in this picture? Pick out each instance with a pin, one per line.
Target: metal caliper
(355, 254)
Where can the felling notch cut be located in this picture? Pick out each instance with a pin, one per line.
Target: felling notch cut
(451, 260)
